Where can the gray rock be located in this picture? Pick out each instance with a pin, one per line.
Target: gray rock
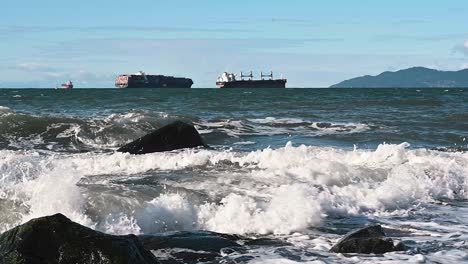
(177, 135)
(56, 239)
(371, 239)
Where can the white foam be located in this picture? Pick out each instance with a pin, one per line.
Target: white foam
(290, 209)
(4, 108)
(168, 212)
(453, 256)
(98, 132)
(233, 128)
(279, 126)
(245, 143)
(277, 191)
(273, 120)
(121, 224)
(134, 117)
(347, 128)
(277, 260)
(72, 131)
(26, 177)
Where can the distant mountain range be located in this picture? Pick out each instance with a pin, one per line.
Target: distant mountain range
(417, 77)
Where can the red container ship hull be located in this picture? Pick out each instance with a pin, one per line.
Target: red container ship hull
(253, 84)
(142, 80)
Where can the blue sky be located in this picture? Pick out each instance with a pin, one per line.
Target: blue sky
(313, 43)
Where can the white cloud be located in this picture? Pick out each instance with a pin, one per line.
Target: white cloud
(35, 67)
(461, 48)
(81, 78)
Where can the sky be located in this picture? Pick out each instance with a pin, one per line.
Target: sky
(312, 43)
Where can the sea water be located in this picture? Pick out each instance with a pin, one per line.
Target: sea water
(300, 166)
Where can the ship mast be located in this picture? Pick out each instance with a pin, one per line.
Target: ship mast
(267, 75)
(250, 76)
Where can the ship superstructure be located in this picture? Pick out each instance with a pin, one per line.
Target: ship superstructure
(67, 85)
(228, 80)
(143, 80)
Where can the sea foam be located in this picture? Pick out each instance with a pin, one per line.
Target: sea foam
(266, 191)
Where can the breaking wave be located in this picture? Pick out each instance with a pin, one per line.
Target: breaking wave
(269, 191)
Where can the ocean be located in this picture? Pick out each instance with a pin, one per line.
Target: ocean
(296, 167)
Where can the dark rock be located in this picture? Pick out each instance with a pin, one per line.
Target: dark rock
(177, 135)
(192, 257)
(56, 239)
(197, 241)
(267, 242)
(371, 239)
(192, 247)
(324, 125)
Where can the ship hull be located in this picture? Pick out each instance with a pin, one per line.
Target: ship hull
(253, 84)
(152, 81)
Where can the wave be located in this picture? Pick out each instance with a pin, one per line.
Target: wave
(77, 134)
(277, 191)
(271, 126)
(4, 109)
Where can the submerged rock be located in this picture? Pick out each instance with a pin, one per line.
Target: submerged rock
(324, 125)
(56, 239)
(192, 247)
(371, 239)
(177, 135)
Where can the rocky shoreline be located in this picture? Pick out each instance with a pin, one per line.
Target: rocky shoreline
(57, 239)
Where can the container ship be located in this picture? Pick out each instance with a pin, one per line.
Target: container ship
(142, 80)
(228, 80)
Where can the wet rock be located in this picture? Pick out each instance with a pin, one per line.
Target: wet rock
(56, 239)
(324, 125)
(192, 257)
(371, 239)
(177, 135)
(197, 241)
(267, 242)
(192, 247)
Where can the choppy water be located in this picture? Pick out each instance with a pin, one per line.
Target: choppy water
(302, 166)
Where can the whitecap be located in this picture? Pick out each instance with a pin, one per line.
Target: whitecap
(277, 191)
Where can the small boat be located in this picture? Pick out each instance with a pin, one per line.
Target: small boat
(67, 85)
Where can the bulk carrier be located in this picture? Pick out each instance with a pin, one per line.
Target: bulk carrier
(228, 80)
(142, 80)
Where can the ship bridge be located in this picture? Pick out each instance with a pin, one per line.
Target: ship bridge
(227, 77)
